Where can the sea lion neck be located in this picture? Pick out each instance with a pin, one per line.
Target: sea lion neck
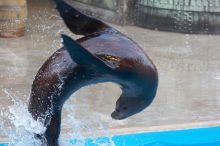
(131, 86)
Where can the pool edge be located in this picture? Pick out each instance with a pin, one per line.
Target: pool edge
(141, 130)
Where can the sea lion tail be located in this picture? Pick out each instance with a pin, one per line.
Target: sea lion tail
(82, 56)
(77, 22)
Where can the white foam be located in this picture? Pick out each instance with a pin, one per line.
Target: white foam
(17, 124)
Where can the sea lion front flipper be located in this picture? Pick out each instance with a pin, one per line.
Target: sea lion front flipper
(77, 22)
(82, 56)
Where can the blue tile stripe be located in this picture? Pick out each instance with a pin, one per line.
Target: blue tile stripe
(191, 137)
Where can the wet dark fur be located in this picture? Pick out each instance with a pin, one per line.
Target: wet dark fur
(104, 54)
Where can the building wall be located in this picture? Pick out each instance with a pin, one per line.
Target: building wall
(187, 16)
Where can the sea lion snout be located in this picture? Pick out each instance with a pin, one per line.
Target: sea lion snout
(117, 116)
(122, 113)
(126, 107)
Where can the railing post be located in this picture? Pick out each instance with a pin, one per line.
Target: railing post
(13, 15)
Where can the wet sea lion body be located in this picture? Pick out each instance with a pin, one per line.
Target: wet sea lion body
(104, 54)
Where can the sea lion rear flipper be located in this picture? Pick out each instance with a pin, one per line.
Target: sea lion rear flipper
(82, 56)
(77, 22)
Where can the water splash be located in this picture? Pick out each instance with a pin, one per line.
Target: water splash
(17, 124)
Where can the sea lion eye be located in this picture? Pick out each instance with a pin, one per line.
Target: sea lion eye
(124, 108)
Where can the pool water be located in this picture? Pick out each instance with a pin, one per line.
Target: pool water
(189, 137)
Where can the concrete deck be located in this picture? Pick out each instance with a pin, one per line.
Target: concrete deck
(189, 74)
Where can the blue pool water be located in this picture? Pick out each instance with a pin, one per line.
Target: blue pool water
(191, 137)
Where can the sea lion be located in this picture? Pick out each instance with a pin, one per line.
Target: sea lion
(103, 54)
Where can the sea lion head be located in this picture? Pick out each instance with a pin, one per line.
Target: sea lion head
(135, 99)
(139, 89)
(128, 106)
